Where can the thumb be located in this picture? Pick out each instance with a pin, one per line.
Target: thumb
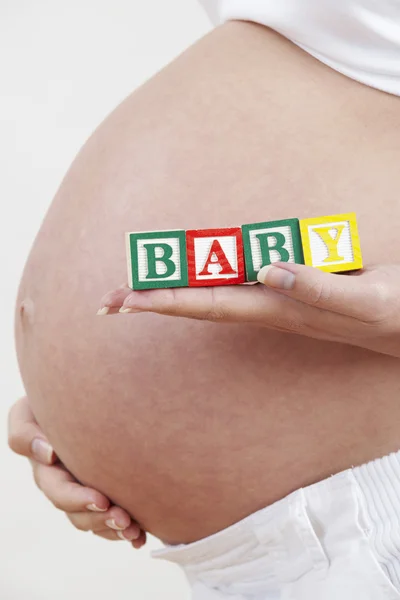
(343, 294)
(25, 436)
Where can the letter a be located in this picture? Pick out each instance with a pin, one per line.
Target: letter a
(222, 260)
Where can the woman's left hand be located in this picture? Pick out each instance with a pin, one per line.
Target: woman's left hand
(361, 308)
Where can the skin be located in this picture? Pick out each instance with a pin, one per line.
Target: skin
(186, 425)
(86, 508)
(360, 308)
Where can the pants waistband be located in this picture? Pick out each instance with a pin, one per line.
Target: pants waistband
(284, 535)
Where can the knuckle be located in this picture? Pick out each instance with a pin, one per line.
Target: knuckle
(382, 306)
(76, 523)
(97, 533)
(299, 319)
(318, 293)
(289, 321)
(37, 478)
(379, 292)
(168, 302)
(57, 503)
(70, 518)
(215, 315)
(294, 325)
(217, 311)
(14, 442)
(19, 440)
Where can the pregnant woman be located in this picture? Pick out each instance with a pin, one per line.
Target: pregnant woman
(222, 440)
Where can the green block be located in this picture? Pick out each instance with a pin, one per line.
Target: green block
(269, 242)
(157, 259)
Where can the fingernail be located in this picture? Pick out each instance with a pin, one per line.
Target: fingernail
(123, 309)
(103, 311)
(276, 278)
(42, 451)
(95, 508)
(112, 525)
(128, 537)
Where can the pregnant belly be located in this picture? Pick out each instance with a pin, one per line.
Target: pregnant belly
(188, 425)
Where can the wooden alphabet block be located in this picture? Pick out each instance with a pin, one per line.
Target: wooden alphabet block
(331, 243)
(157, 259)
(269, 242)
(215, 256)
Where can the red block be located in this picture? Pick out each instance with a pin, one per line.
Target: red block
(215, 256)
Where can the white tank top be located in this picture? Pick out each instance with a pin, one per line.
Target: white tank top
(359, 38)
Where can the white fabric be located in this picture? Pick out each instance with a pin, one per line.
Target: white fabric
(359, 38)
(336, 539)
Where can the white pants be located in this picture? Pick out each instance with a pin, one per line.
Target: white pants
(338, 539)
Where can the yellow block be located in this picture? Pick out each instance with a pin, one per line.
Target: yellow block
(331, 243)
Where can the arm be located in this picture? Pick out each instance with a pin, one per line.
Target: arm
(361, 309)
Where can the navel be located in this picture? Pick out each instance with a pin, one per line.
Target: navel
(27, 311)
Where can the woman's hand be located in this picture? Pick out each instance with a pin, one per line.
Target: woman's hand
(361, 308)
(86, 508)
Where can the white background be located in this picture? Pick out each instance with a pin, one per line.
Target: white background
(63, 67)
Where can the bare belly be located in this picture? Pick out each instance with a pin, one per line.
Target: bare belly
(191, 426)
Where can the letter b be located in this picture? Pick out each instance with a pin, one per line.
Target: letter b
(153, 260)
(266, 247)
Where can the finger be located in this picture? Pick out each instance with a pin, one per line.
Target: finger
(126, 535)
(108, 521)
(61, 488)
(86, 521)
(116, 536)
(253, 304)
(141, 541)
(107, 534)
(131, 533)
(25, 436)
(355, 297)
(118, 519)
(112, 302)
